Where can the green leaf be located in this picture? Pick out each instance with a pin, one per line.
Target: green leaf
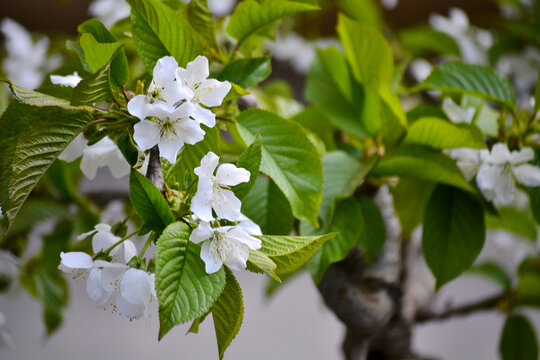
(291, 252)
(250, 15)
(493, 272)
(410, 199)
(454, 232)
(534, 196)
(228, 313)
(201, 20)
(185, 291)
(513, 220)
(348, 223)
(97, 54)
(93, 89)
(518, 341)
(160, 31)
(364, 11)
(35, 98)
(31, 138)
(373, 233)
(421, 163)
(288, 157)
(424, 40)
(262, 264)
(481, 81)
(441, 134)
(246, 72)
(149, 202)
(268, 207)
(342, 175)
(251, 161)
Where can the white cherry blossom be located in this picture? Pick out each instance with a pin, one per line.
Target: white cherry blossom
(109, 11)
(207, 92)
(169, 128)
(420, 69)
(456, 113)
(213, 190)
(101, 154)
(137, 290)
(500, 170)
(68, 80)
(228, 245)
(164, 89)
(468, 160)
(26, 62)
(103, 239)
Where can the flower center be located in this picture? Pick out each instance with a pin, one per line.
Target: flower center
(167, 129)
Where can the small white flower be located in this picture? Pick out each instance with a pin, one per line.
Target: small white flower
(468, 160)
(389, 4)
(164, 89)
(208, 92)
(420, 69)
(137, 289)
(101, 154)
(109, 11)
(26, 62)
(212, 191)
(103, 239)
(456, 113)
(170, 129)
(501, 168)
(68, 80)
(228, 245)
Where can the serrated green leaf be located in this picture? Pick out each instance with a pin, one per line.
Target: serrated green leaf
(149, 202)
(97, 54)
(342, 175)
(493, 272)
(421, 163)
(454, 232)
(185, 291)
(246, 72)
(518, 340)
(441, 134)
(288, 157)
(373, 233)
(250, 15)
(262, 264)
(476, 80)
(35, 98)
(31, 138)
(251, 161)
(291, 252)
(93, 89)
(160, 31)
(228, 313)
(410, 199)
(348, 223)
(201, 19)
(268, 207)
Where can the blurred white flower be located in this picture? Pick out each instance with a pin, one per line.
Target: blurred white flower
(5, 338)
(228, 245)
(26, 62)
(389, 4)
(420, 69)
(456, 113)
(221, 7)
(473, 43)
(468, 160)
(212, 191)
(522, 70)
(101, 154)
(109, 11)
(68, 80)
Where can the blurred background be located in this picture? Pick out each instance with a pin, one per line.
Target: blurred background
(293, 323)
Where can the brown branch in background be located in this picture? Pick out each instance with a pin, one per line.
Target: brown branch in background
(155, 172)
(488, 304)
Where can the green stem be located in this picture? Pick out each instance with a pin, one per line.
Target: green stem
(106, 252)
(146, 244)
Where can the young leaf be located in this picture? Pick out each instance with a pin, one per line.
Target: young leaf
(228, 313)
(268, 207)
(185, 291)
(454, 232)
(97, 54)
(251, 161)
(250, 15)
(421, 163)
(93, 89)
(291, 252)
(514, 220)
(494, 272)
(149, 202)
(423, 40)
(262, 264)
(288, 157)
(348, 223)
(518, 340)
(160, 31)
(373, 233)
(441, 134)
(201, 20)
(246, 72)
(470, 79)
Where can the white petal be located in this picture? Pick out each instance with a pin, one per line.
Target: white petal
(248, 225)
(487, 176)
(103, 240)
(169, 147)
(527, 174)
(68, 80)
(236, 254)
(202, 232)
(522, 156)
(189, 131)
(129, 310)
(456, 113)
(94, 287)
(505, 189)
(85, 235)
(210, 256)
(226, 205)
(89, 165)
(499, 154)
(136, 286)
(201, 204)
(138, 107)
(76, 260)
(211, 92)
(165, 69)
(74, 149)
(195, 72)
(175, 92)
(129, 250)
(147, 134)
(230, 175)
(103, 227)
(117, 164)
(184, 111)
(209, 163)
(204, 116)
(111, 274)
(240, 235)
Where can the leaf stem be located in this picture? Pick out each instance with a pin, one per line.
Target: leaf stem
(106, 252)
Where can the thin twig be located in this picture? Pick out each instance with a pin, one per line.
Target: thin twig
(224, 118)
